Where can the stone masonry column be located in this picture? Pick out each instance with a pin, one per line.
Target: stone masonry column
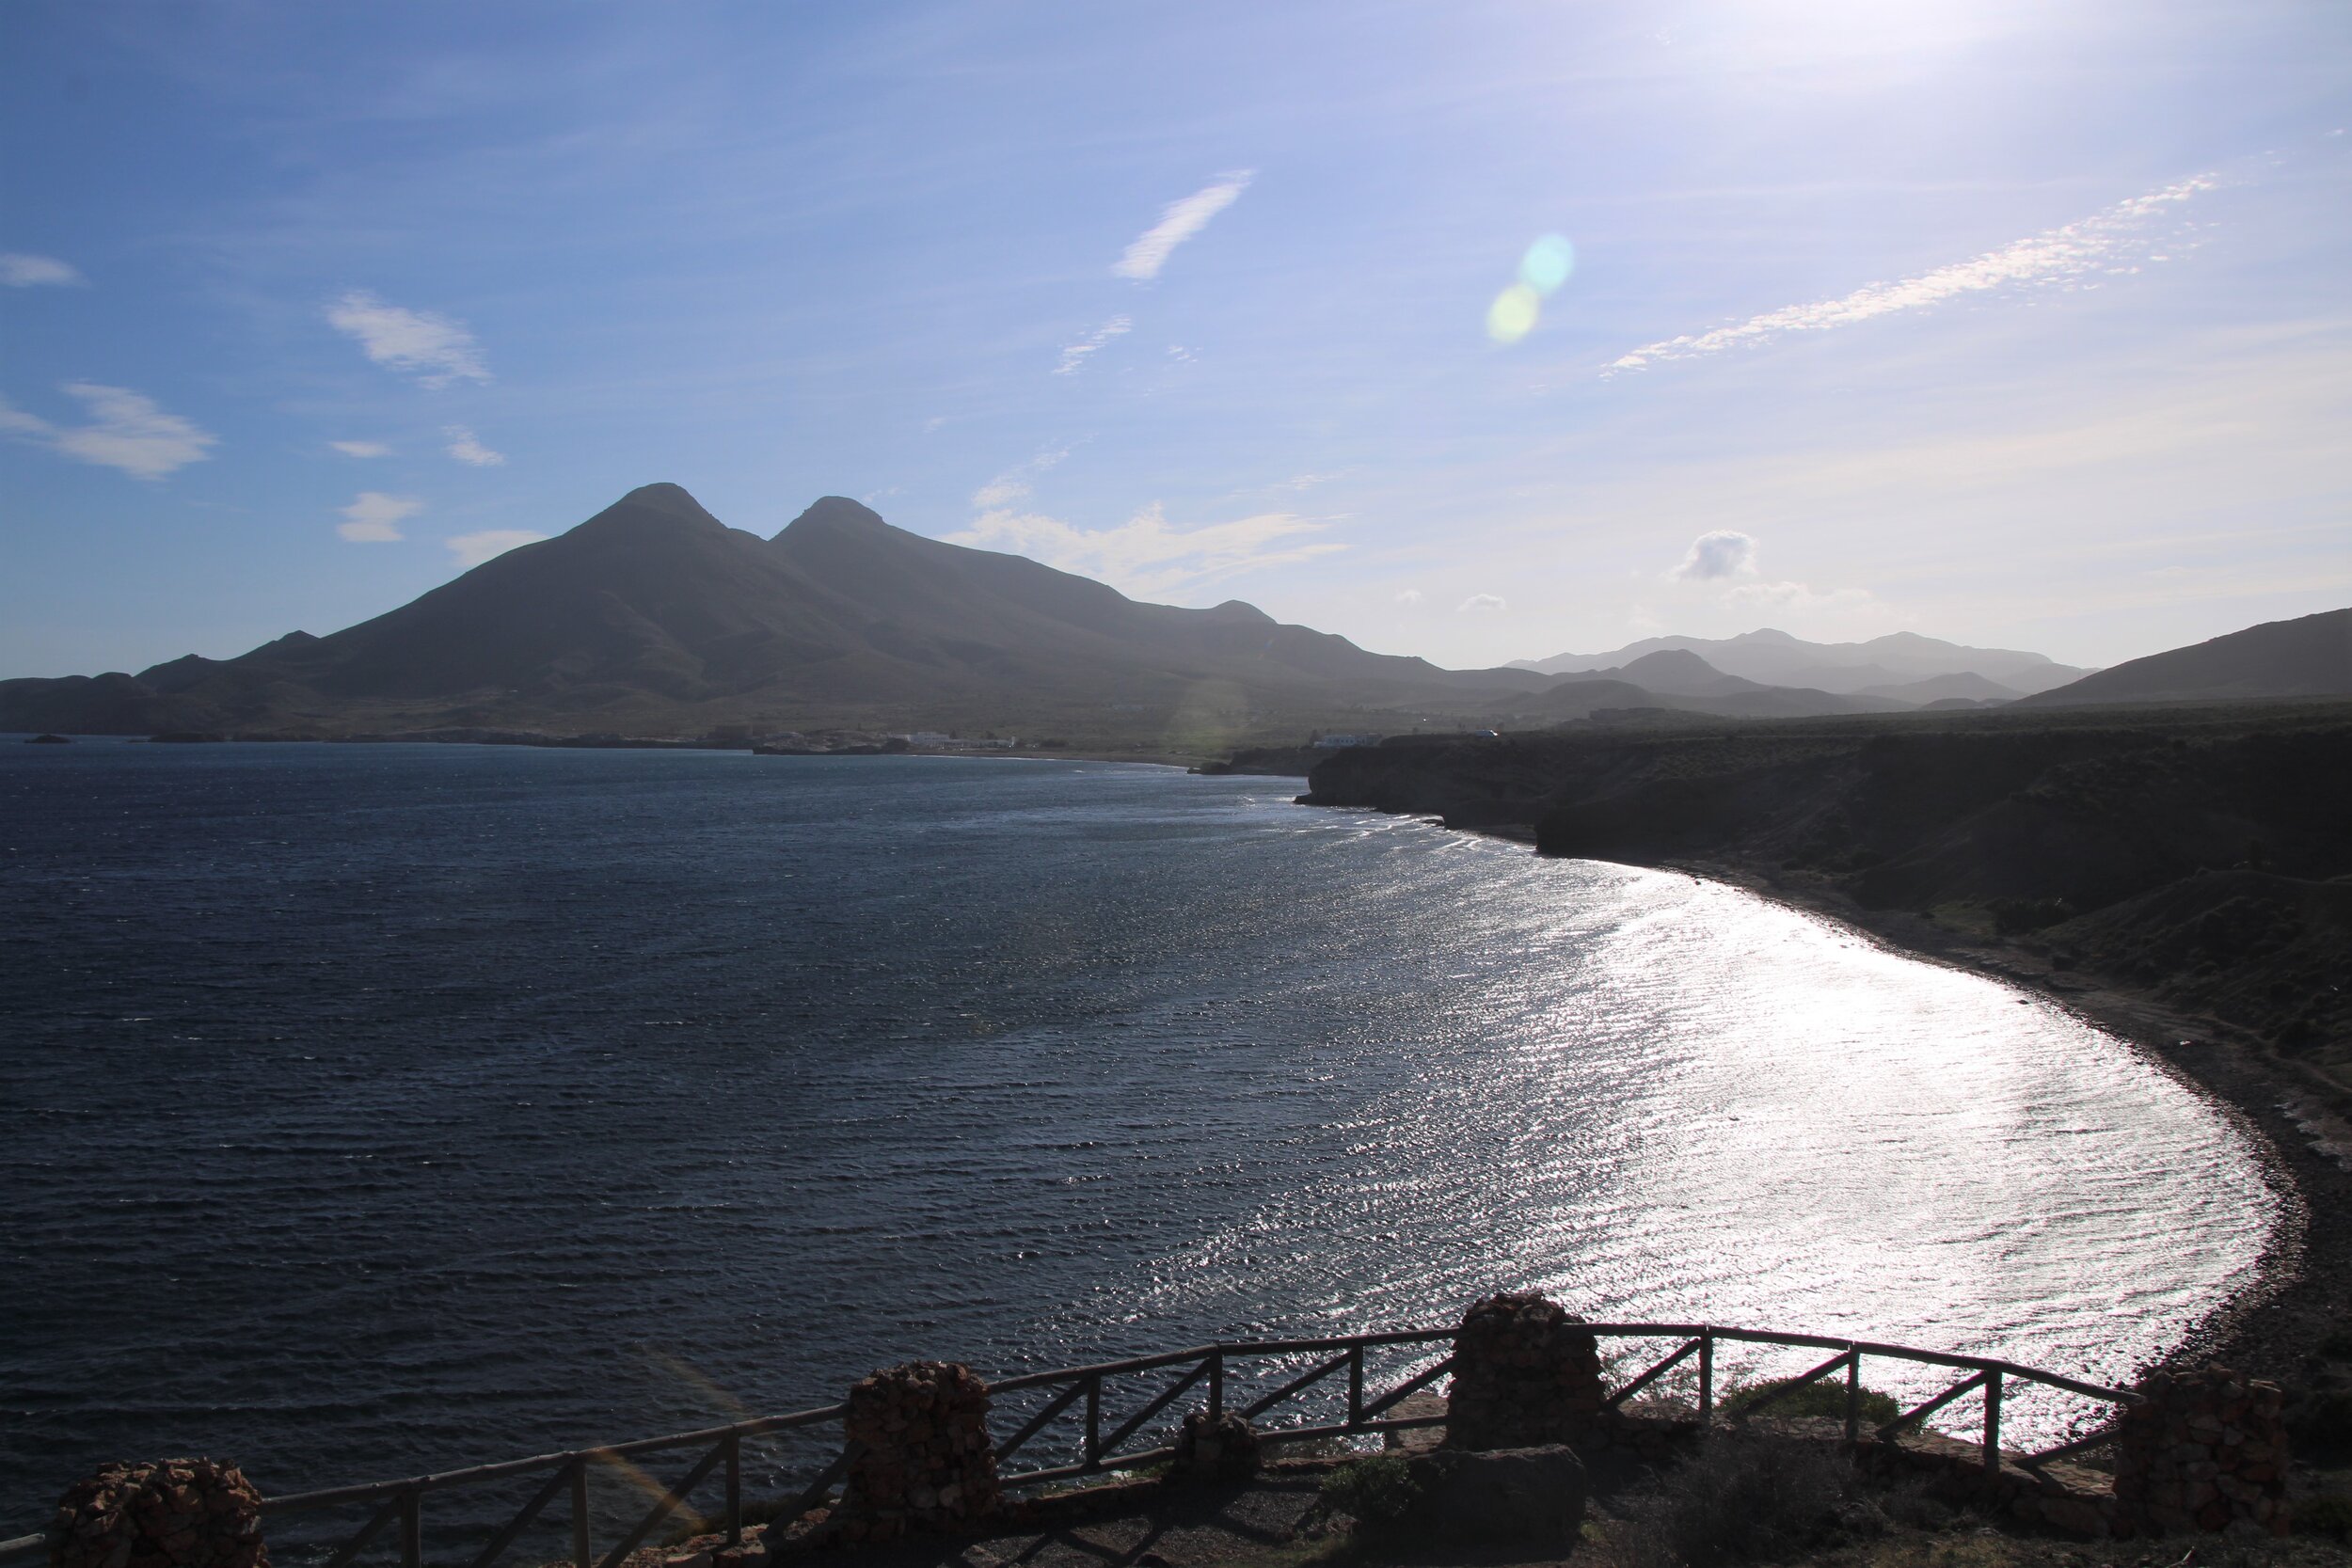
(1526, 1372)
(921, 1460)
(2205, 1451)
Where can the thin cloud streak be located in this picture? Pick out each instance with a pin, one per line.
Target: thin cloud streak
(1144, 555)
(1074, 357)
(1180, 220)
(433, 348)
(20, 271)
(362, 449)
(466, 448)
(2098, 243)
(127, 431)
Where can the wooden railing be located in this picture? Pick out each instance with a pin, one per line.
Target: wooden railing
(1255, 1379)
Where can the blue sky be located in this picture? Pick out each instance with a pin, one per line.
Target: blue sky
(2018, 323)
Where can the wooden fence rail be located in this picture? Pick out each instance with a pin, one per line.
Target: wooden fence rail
(399, 1505)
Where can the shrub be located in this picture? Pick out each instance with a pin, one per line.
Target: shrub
(1376, 1489)
(1746, 1499)
(2328, 1513)
(1823, 1397)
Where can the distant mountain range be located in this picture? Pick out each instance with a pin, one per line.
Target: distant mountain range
(1901, 666)
(653, 618)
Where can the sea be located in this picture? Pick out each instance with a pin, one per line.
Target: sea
(373, 1110)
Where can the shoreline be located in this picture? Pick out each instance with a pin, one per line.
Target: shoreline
(2302, 1286)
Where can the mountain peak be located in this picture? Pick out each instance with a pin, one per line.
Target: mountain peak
(648, 509)
(836, 514)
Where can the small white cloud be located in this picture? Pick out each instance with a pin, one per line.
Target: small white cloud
(1144, 555)
(463, 446)
(433, 348)
(127, 431)
(373, 518)
(1410, 597)
(20, 271)
(1075, 355)
(472, 550)
(1722, 553)
(1180, 220)
(1483, 604)
(362, 449)
(2105, 241)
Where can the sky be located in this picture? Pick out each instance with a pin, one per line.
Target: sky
(1480, 331)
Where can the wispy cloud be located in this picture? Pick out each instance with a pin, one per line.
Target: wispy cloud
(1483, 604)
(20, 271)
(2110, 240)
(1409, 597)
(362, 449)
(127, 431)
(1144, 555)
(375, 518)
(463, 446)
(1075, 355)
(1013, 484)
(433, 348)
(1180, 220)
(1721, 553)
(472, 550)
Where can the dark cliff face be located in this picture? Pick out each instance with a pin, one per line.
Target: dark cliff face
(2036, 822)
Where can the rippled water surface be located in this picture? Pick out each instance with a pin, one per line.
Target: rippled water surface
(371, 1110)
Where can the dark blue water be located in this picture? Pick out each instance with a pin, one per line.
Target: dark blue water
(371, 1110)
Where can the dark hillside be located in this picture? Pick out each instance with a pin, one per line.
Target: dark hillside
(2306, 658)
(2101, 832)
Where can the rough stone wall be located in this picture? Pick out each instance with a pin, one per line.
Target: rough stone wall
(1526, 1372)
(923, 1460)
(2203, 1451)
(172, 1514)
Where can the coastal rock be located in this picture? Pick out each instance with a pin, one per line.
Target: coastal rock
(48, 740)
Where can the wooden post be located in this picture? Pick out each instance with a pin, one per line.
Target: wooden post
(1853, 1395)
(1992, 1424)
(734, 1445)
(581, 1555)
(1706, 1377)
(411, 1530)
(1094, 1419)
(1216, 1383)
(1356, 1382)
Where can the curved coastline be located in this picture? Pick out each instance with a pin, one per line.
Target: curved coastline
(2303, 1284)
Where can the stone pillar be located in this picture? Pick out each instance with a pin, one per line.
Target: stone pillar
(1214, 1448)
(2203, 1451)
(1526, 1372)
(172, 1514)
(923, 1461)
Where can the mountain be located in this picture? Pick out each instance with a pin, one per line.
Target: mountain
(2307, 657)
(654, 617)
(1681, 681)
(1968, 685)
(1776, 659)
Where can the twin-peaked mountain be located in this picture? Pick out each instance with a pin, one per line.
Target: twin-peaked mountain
(654, 617)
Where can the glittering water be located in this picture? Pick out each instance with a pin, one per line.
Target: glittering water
(371, 1110)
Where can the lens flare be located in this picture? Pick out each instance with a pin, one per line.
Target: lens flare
(1512, 316)
(1547, 263)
